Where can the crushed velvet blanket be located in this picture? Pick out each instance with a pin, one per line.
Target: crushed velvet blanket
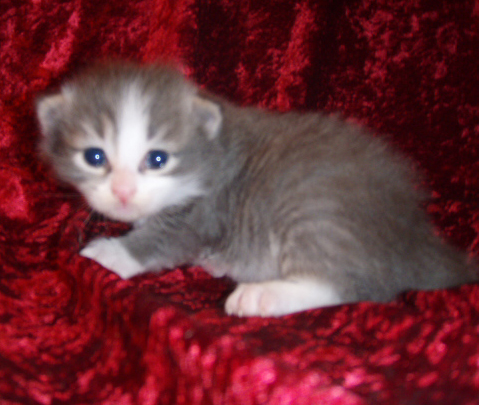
(72, 332)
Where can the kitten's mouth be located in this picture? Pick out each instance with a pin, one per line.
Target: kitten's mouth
(125, 213)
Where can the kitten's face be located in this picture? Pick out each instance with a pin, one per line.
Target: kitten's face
(127, 139)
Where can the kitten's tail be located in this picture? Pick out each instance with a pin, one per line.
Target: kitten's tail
(453, 267)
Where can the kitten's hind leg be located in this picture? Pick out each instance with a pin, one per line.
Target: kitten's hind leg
(280, 297)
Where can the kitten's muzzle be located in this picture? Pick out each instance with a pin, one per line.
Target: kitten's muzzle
(123, 185)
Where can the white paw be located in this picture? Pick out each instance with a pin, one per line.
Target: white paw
(110, 253)
(279, 297)
(251, 299)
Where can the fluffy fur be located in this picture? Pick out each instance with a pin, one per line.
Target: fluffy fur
(303, 210)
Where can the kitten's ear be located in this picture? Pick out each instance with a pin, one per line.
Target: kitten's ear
(50, 109)
(208, 115)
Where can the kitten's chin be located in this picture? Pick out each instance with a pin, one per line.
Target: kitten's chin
(123, 214)
(128, 218)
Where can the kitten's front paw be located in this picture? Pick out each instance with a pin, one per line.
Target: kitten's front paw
(110, 253)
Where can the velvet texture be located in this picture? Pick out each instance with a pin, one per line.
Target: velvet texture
(73, 332)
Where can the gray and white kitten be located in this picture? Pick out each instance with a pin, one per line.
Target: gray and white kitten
(302, 210)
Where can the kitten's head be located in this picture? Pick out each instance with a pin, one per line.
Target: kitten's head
(133, 140)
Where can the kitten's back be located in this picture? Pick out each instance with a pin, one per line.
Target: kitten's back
(341, 204)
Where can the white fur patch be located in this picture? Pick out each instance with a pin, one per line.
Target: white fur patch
(153, 194)
(133, 121)
(279, 297)
(111, 254)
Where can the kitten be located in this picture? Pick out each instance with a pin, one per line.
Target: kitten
(302, 210)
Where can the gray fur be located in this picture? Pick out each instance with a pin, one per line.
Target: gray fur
(285, 195)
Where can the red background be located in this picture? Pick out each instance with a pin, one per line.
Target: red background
(72, 332)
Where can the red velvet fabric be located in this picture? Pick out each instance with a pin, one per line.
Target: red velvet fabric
(72, 332)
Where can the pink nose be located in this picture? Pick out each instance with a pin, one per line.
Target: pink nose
(124, 193)
(123, 185)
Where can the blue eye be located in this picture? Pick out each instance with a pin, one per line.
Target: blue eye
(156, 159)
(95, 157)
